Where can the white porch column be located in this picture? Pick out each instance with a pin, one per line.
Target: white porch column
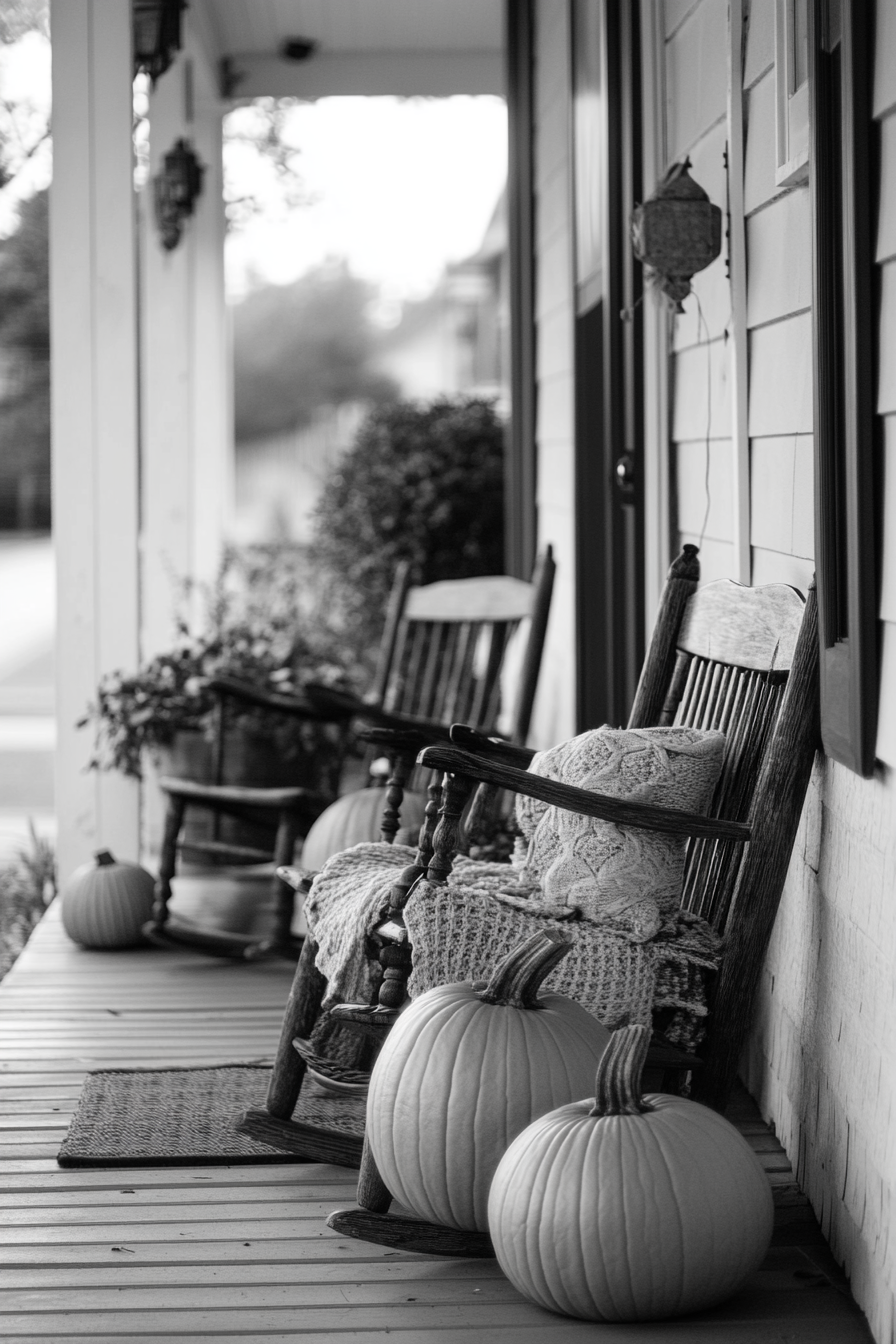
(187, 434)
(94, 406)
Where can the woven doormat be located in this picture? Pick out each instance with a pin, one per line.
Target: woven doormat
(186, 1117)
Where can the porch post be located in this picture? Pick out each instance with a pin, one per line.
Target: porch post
(94, 406)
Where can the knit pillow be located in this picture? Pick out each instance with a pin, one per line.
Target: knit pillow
(626, 875)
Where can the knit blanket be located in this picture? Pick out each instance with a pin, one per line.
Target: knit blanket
(460, 931)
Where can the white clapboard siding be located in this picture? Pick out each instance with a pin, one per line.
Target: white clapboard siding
(696, 76)
(694, 496)
(760, 53)
(886, 722)
(888, 576)
(759, 159)
(780, 260)
(711, 286)
(886, 390)
(884, 65)
(781, 483)
(778, 567)
(886, 220)
(781, 377)
(702, 393)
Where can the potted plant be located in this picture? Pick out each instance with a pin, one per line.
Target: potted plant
(247, 625)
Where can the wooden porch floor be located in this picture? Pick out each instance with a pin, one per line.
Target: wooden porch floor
(243, 1253)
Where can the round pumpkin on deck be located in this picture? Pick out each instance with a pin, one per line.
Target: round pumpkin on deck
(464, 1070)
(105, 903)
(629, 1208)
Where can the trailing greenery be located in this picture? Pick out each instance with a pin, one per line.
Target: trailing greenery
(27, 885)
(250, 627)
(423, 482)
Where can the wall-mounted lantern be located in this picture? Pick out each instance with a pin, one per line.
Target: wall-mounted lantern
(156, 27)
(177, 186)
(676, 232)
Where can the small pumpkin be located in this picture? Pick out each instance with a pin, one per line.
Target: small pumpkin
(466, 1068)
(105, 903)
(629, 1208)
(355, 817)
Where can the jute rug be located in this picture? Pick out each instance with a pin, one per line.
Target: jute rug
(186, 1117)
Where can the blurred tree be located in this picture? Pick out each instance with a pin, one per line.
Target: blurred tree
(25, 370)
(423, 482)
(301, 346)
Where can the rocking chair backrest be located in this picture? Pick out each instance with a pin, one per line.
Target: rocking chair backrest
(735, 649)
(446, 643)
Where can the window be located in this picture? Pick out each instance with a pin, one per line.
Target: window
(841, 127)
(791, 90)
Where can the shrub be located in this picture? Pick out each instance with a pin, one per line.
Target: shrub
(422, 483)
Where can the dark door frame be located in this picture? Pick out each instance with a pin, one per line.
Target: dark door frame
(609, 401)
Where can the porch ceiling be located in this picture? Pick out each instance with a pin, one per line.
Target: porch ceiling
(403, 47)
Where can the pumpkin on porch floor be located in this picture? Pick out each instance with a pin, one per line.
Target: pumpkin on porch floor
(467, 1067)
(106, 902)
(629, 1208)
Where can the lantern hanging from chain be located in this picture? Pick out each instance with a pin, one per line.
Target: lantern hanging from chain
(676, 232)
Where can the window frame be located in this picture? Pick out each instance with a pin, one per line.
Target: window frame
(844, 363)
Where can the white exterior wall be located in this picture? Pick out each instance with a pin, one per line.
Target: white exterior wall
(554, 715)
(821, 1061)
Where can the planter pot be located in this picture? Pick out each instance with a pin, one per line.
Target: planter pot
(253, 757)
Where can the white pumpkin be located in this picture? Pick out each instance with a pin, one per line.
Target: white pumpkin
(355, 817)
(629, 1208)
(465, 1069)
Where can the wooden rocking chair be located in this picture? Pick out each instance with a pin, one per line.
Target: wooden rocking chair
(443, 651)
(740, 660)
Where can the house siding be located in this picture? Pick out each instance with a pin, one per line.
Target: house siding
(821, 1060)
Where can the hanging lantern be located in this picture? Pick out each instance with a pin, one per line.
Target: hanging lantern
(177, 187)
(676, 232)
(156, 35)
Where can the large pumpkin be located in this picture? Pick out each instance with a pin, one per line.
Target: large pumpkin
(629, 1208)
(466, 1068)
(106, 903)
(356, 817)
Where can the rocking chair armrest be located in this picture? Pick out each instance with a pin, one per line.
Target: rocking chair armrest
(352, 706)
(276, 700)
(490, 748)
(296, 799)
(583, 801)
(397, 741)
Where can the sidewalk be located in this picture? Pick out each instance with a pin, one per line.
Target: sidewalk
(27, 718)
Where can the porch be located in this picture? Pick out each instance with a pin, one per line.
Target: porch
(243, 1252)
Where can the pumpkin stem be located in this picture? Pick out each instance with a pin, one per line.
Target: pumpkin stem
(104, 858)
(515, 982)
(617, 1087)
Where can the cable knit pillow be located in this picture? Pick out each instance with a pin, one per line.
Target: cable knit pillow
(626, 875)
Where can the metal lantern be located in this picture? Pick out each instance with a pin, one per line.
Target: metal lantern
(677, 232)
(176, 187)
(156, 25)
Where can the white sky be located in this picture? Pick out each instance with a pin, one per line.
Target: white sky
(25, 85)
(398, 188)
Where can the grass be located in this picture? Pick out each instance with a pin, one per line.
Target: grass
(27, 886)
